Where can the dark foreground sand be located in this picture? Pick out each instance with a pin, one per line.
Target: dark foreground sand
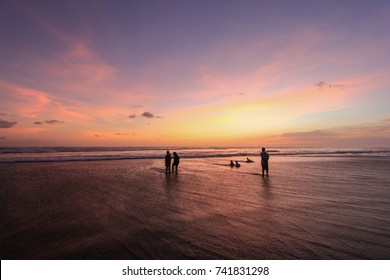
(309, 208)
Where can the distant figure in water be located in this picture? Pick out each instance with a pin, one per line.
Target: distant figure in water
(264, 161)
(249, 160)
(231, 163)
(237, 164)
(175, 163)
(168, 162)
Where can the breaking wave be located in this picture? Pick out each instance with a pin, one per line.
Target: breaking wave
(58, 154)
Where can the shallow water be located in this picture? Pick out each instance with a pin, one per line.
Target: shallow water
(308, 208)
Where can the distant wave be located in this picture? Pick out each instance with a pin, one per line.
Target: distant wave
(58, 154)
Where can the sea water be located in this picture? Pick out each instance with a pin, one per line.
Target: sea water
(54, 154)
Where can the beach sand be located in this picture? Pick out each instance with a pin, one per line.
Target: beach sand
(309, 208)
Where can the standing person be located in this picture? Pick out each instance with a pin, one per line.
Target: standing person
(168, 162)
(264, 161)
(175, 163)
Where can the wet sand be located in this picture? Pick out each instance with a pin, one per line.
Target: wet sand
(309, 208)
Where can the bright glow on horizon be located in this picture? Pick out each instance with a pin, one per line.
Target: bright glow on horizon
(181, 73)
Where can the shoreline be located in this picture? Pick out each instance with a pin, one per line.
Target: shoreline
(73, 154)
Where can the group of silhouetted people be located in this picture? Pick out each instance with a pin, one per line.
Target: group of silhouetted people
(264, 162)
(176, 160)
(232, 164)
(175, 164)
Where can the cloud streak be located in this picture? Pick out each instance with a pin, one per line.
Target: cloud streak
(321, 85)
(150, 115)
(237, 93)
(147, 115)
(51, 122)
(7, 124)
(22, 100)
(308, 134)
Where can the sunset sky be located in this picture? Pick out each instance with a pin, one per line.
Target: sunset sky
(195, 73)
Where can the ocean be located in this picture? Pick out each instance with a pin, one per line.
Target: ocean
(56, 154)
(118, 203)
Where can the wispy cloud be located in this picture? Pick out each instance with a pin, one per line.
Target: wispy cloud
(237, 93)
(24, 101)
(308, 134)
(321, 85)
(80, 60)
(51, 122)
(132, 116)
(80, 63)
(7, 124)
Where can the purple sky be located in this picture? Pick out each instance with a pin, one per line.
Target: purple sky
(304, 73)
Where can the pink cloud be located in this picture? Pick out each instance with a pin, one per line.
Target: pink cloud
(30, 103)
(357, 135)
(23, 101)
(78, 69)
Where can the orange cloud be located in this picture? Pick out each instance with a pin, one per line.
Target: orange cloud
(23, 101)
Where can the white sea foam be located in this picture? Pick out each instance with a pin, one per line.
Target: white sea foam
(58, 154)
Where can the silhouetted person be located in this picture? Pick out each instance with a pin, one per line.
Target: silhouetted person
(176, 161)
(168, 162)
(237, 164)
(264, 161)
(248, 160)
(231, 163)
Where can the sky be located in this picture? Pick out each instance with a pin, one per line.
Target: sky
(195, 73)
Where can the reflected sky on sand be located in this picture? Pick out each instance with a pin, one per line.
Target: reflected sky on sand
(308, 208)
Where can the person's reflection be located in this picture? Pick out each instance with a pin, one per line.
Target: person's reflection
(267, 187)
